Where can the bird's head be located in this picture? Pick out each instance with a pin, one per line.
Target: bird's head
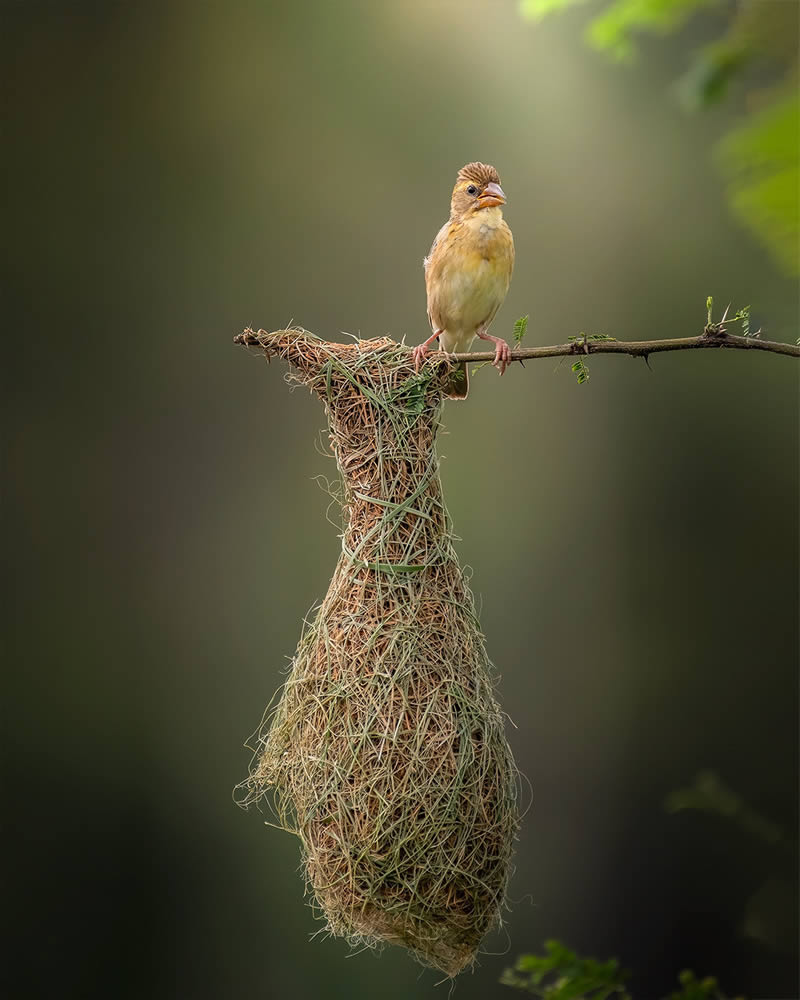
(477, 187)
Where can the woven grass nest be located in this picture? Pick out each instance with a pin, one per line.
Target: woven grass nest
(386, 753)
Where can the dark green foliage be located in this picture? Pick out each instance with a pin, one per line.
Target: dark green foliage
(760, 161)
(560, 974)
(697, 989)
(710, 75)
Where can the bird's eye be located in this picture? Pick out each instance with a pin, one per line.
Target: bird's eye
(472, 189)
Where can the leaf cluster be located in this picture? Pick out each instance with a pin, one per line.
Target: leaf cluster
(740, 316)
(560, 974)
(757, 47)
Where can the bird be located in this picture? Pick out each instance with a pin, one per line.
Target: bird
(468, 271)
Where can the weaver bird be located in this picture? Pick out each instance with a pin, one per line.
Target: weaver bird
(468, 271)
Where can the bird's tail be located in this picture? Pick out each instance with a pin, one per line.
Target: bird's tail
(458, 387)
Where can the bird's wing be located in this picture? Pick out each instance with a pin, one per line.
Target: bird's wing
(429, 265)
(510, 244)
(426, 260)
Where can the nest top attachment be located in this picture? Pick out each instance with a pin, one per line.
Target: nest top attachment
(378, 359)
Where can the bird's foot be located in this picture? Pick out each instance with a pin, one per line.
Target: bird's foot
(502, 352)
(419, 354)
(502, 356)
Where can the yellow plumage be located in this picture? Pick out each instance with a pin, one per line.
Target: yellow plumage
(468, 271)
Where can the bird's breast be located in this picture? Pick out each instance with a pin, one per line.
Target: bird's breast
(469, 274)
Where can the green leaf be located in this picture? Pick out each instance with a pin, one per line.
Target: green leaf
(762, 158)
(743, 316)
(762, 162)
(581, 370)
(520, 328)
(560, 974)
(613, 30)
(709, 78)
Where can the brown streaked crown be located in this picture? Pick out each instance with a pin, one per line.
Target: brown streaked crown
(479, 173)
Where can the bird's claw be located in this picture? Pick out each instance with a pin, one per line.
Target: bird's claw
(419, 353)
(502, 356)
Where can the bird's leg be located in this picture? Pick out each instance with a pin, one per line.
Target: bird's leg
(502, 352)
(420, 352)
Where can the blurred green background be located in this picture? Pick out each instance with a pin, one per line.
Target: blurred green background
(180, 170)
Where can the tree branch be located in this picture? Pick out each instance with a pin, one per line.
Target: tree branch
(714, 336)
(710, 338)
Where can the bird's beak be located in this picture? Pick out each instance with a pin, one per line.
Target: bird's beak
(492, 195)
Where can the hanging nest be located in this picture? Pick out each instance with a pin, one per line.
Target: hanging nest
(386, 754)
